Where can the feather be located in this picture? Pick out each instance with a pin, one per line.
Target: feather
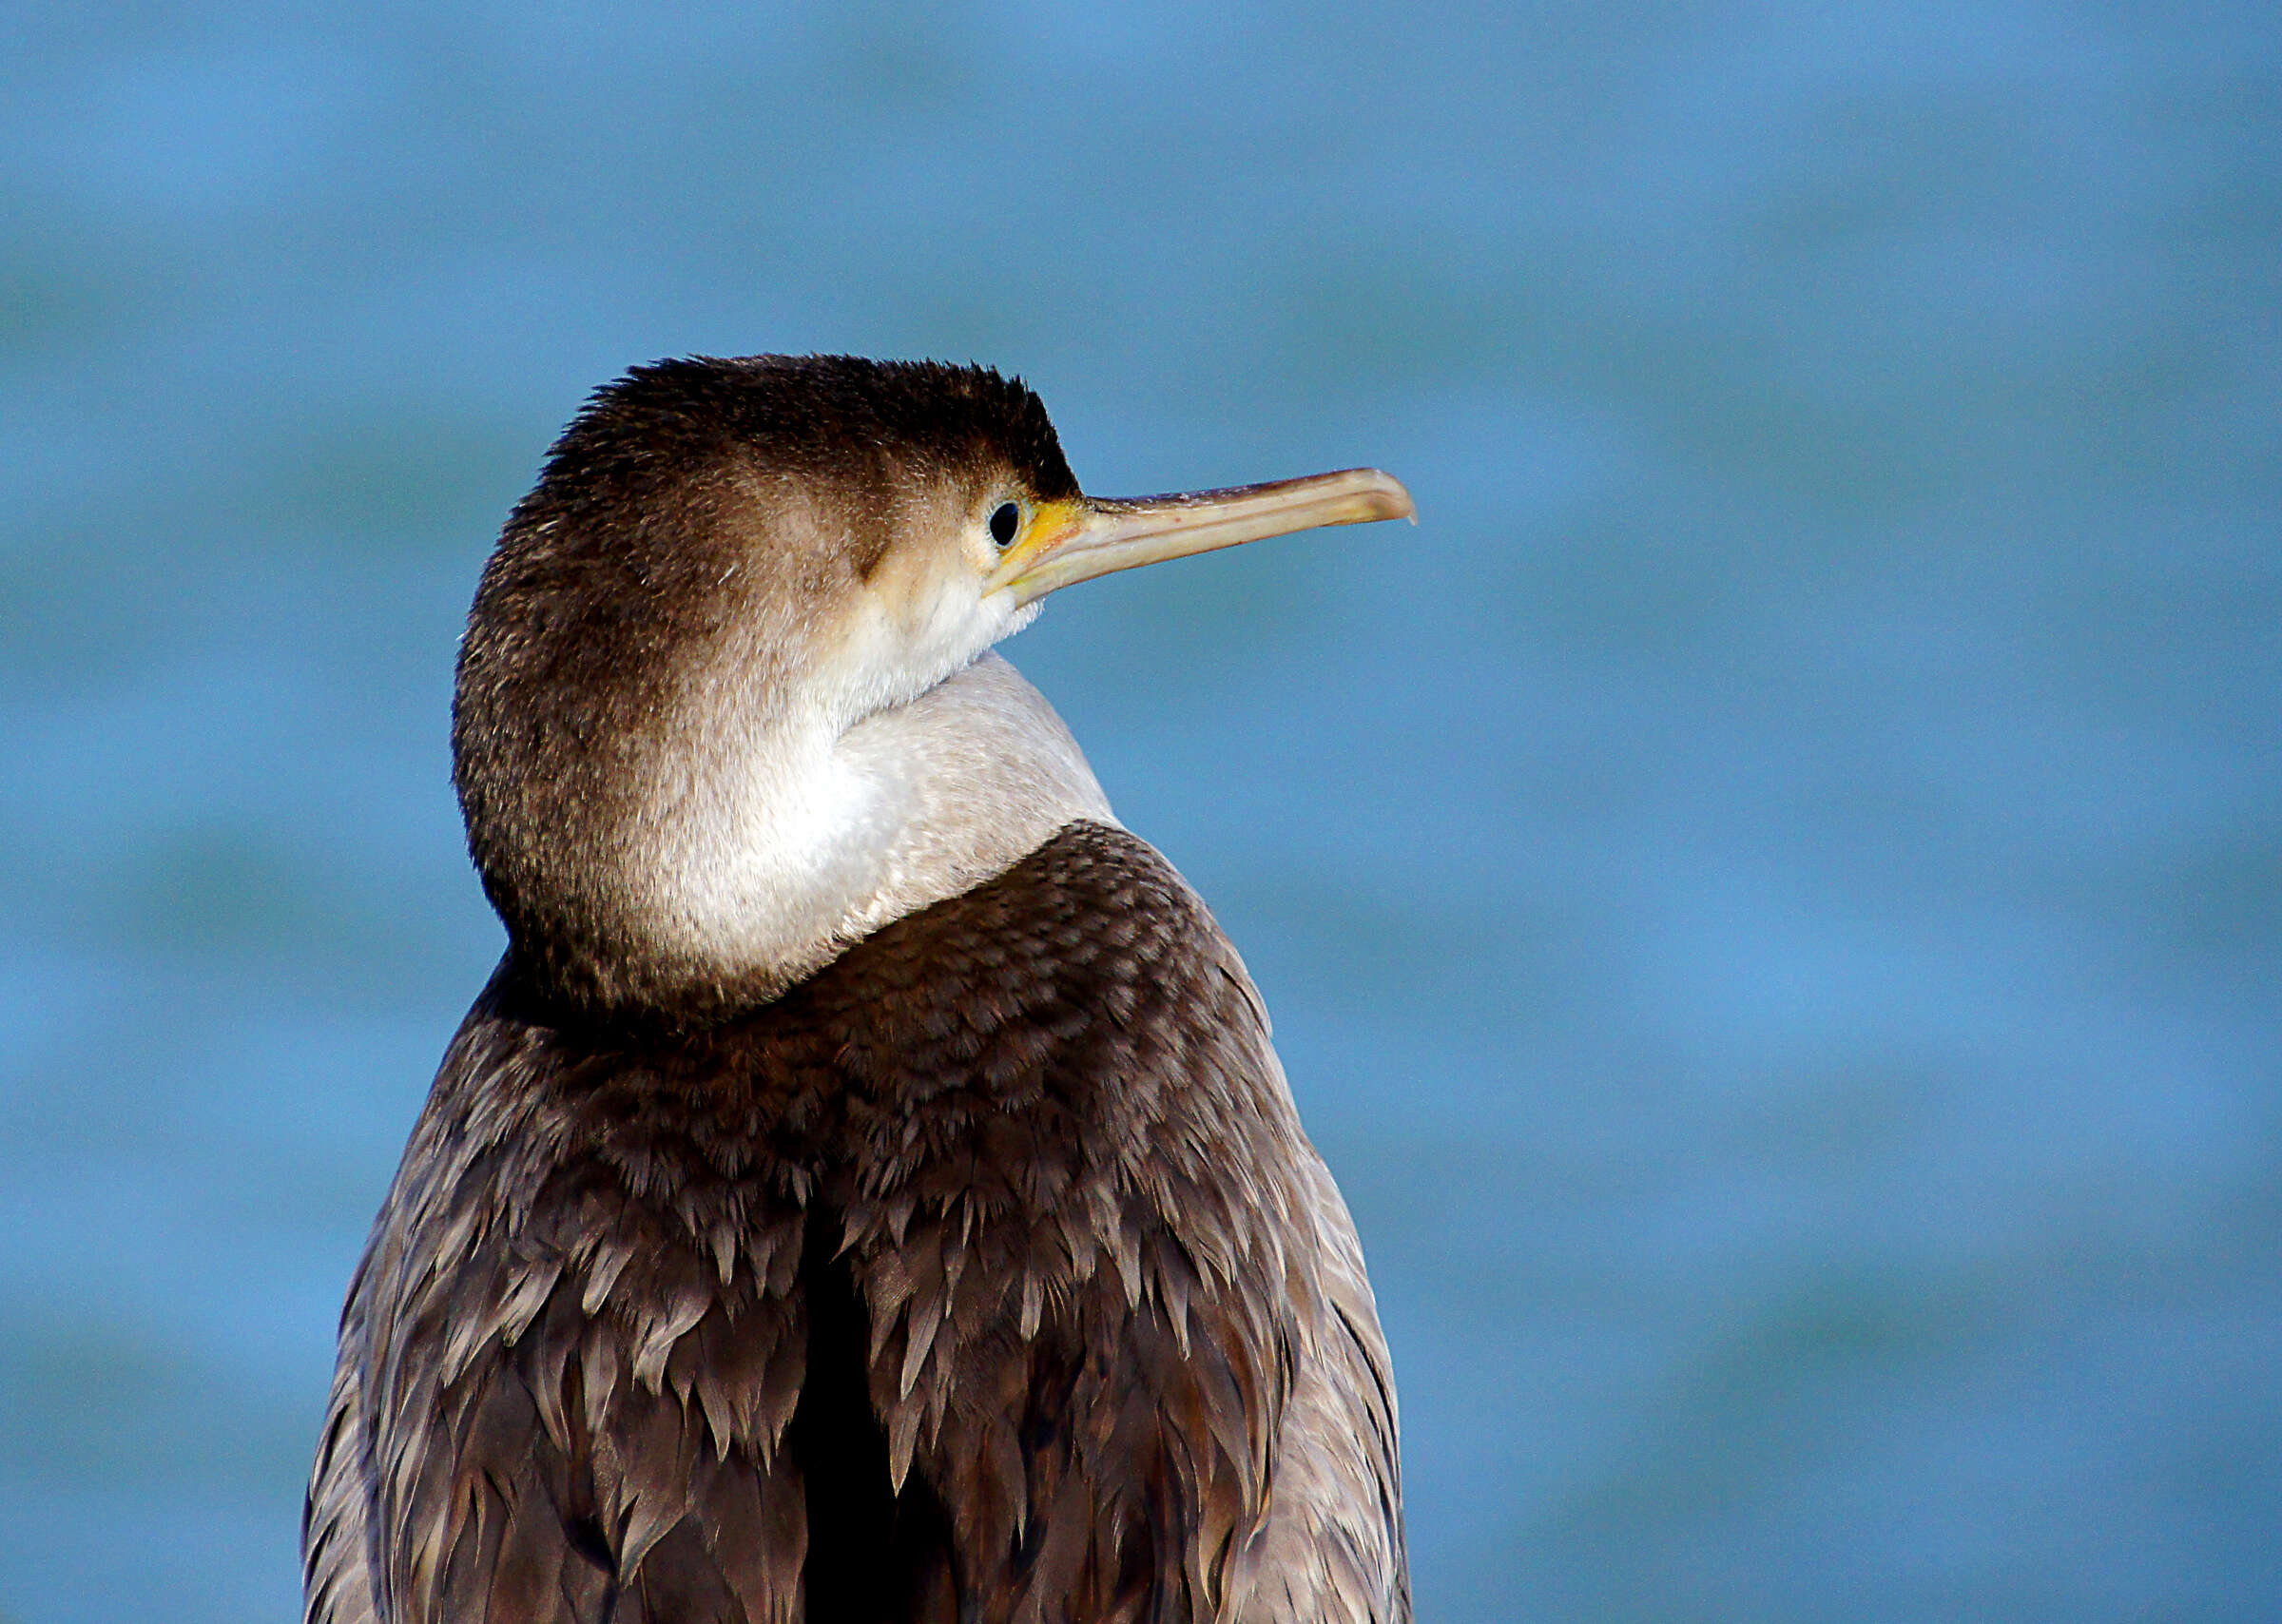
(985, 1276)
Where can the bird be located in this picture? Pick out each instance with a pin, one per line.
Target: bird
(866, 1190)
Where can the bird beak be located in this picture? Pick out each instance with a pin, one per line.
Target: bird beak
(1076, 540)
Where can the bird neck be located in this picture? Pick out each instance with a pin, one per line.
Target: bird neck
(792, 839)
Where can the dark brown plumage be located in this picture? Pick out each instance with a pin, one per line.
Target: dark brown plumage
(984, 1274)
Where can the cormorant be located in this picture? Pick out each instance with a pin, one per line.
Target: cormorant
(865, 1191)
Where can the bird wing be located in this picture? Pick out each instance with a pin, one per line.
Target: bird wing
(335, 1562)
(1119, 1322)
(560, 1402)
(1331, 1547)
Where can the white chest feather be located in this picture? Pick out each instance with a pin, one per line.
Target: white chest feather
(772, 849)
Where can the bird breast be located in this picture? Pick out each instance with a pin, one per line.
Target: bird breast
(779, 845)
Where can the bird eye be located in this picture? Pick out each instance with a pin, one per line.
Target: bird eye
(1005, 520)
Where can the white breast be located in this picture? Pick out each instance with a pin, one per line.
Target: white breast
(777, 843)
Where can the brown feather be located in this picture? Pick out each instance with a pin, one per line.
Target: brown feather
(985, 1276)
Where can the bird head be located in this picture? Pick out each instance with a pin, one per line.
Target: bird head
(725, 702)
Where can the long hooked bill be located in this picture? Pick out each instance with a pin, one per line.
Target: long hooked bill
(1076, 540)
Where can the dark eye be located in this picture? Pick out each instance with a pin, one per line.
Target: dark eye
(1006, 518)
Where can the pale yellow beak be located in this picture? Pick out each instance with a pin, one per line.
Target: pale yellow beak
(1076, 540)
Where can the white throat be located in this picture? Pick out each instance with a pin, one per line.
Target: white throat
(778, 845)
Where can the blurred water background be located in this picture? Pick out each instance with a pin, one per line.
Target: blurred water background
(1772, 892)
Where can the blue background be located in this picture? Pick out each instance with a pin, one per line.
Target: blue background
(1772, 892)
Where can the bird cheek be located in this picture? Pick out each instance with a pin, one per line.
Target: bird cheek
(944, 623)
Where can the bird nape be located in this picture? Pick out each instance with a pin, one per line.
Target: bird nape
(866, 1191)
